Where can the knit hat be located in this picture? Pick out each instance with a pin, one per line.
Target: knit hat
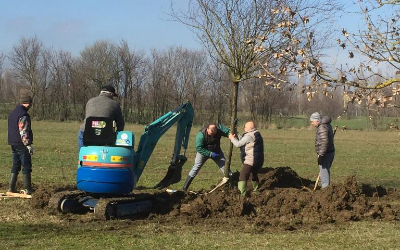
(315, 117)
(108, 89)
(25, 99)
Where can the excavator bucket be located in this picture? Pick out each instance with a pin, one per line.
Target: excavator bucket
(174, 174)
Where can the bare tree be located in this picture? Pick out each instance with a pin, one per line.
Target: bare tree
(31, 62)
(231, 30)
(189, 74)
(217, 94)
(194, 76)
(2, 57)
(131, 64)
(376, 47)
(100, 63)
(61, 87)
(371, 48)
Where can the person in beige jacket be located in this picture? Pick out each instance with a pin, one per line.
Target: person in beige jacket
(251, 145)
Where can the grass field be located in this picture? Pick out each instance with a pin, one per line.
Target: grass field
(371, 156)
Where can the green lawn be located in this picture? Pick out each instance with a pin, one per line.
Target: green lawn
(110, 235)
(370, 155)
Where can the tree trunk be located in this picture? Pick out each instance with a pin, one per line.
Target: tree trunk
(233, 128)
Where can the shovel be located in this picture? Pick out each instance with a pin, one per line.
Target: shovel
(221, 183)
(316, 183)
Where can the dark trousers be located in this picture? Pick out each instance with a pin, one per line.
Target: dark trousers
(247, 172)
(80, 140)
(22, 157)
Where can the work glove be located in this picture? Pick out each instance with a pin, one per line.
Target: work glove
(30, 149)
(320, 159)
(214, 155)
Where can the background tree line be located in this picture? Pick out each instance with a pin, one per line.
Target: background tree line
(150, 84)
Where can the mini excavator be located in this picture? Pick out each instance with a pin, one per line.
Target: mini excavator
(109, 167)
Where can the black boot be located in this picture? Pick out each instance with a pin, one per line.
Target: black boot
(13, 181)
(27, 183)
(189, 180)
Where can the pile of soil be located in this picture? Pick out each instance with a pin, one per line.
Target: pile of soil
(283, 200)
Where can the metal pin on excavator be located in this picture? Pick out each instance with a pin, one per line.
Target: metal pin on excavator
(109, 167)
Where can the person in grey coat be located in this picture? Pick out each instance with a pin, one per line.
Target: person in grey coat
(324, 146)
(251, 145)
(103, 106)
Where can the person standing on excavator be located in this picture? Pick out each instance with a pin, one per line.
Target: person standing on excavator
(20, 138)
(251, 145)
(103, 106)
(208, 145)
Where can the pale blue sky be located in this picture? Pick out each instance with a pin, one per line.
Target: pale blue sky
(71, 25)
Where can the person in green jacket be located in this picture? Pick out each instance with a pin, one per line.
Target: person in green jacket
(208, 145)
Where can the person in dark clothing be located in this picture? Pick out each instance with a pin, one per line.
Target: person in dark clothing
(103, 106)
(251, 145)
(208, 145)
(324, 146)
(20, 138)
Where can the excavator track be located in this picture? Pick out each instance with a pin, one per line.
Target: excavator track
(56, 199)
(120, 207)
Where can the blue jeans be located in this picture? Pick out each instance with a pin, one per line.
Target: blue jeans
(325, 169)
(80, 140)
(201, 159)
(22, 157)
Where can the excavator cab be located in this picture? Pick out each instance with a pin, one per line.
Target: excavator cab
(99, 131)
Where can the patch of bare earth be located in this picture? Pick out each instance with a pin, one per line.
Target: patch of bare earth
(283, 201)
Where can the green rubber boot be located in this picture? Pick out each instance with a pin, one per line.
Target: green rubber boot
(255, 185)
(13, 181)
(27, 183)
(242, 187)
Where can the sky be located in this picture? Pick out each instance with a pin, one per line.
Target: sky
(71, 25)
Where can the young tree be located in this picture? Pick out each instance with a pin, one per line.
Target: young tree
(230, 31)
(223, 26)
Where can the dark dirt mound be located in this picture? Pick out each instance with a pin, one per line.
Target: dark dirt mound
(284, 199)
(43, 193)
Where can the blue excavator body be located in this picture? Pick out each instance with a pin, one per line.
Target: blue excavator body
(108, 169)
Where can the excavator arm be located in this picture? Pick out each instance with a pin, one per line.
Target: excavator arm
(183, 116)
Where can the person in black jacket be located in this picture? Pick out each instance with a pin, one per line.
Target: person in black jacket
(20, 138)
(208, 146)
(324, 146)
